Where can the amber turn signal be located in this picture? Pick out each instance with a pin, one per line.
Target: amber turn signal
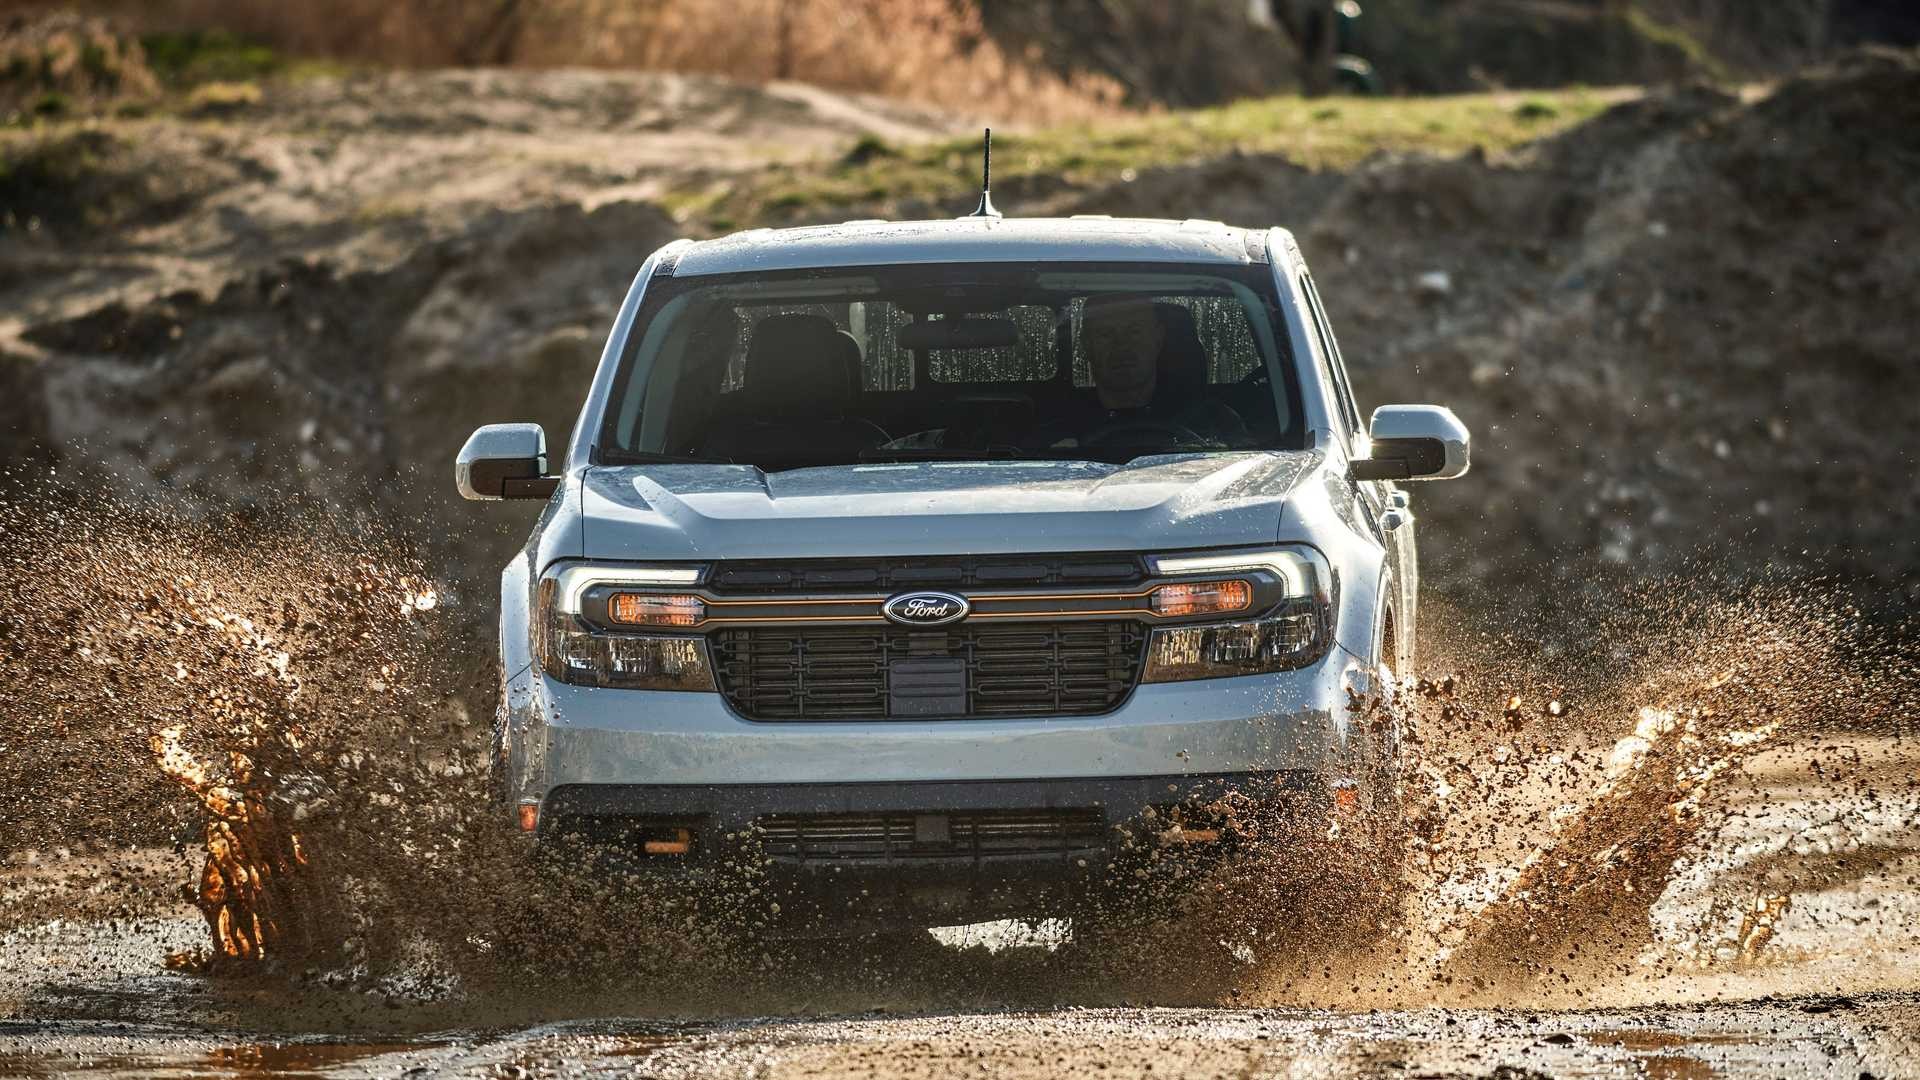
(655, 609)
(529, 816)
(681, 843)
(1202, 598)
(1195, 836)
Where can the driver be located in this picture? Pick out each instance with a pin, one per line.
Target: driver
(1128, 350)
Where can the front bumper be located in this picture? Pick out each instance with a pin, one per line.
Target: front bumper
(564, 736)
(612, 764)
(736, 808)
(833, 855)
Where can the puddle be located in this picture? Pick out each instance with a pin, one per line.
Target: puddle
(241, 1061)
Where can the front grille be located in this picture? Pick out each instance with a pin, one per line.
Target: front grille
(841, 673)
(924, 572)
(905, 836)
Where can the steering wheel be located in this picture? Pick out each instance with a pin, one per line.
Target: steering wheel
(1110, 433)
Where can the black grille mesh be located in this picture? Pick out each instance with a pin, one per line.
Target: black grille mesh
(893, 837)
(840, 673)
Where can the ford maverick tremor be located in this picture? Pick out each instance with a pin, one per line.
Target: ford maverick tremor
(913, 563)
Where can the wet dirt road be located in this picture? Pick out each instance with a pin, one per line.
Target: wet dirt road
(1700, 863)
(1832, 994)
(1876, 1035)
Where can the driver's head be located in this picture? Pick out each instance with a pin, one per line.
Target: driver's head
(1123, 339)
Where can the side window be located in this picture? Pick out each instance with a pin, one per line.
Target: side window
(1329, 355)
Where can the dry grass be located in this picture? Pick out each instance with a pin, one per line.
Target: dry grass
(881, 180)
(933, 51)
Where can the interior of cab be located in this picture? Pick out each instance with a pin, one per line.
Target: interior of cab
(1007, 365)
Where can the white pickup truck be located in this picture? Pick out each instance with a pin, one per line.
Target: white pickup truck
(908, 561)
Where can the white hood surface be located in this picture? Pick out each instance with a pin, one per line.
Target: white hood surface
(985, 507)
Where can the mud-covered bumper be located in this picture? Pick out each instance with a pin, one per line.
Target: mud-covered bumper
(831, 855)
(736, 808)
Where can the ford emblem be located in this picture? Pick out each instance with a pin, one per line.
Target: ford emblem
(926, 608)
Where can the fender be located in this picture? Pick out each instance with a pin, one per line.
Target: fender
(1327, 510)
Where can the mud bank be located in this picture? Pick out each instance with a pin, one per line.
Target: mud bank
(1650, 321)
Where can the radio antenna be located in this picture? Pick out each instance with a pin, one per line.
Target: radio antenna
(986, 209)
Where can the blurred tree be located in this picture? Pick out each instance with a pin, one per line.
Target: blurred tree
(495, 38)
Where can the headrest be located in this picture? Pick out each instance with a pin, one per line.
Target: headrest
(1105, 308)
(1183, 371)
(800, 367)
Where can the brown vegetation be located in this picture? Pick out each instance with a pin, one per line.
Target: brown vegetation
(926, 50)
(48, 64)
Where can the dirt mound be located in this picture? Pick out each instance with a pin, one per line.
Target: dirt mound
(322, 292)
(305, 379)
(1651, 321)
(1655, 323)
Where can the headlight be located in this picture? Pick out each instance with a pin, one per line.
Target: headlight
(1202, 598)
(1292, 634)
(583, 634)
(655, 609)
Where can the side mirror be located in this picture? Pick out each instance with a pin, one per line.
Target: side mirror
(1414, 442)
(504, 461)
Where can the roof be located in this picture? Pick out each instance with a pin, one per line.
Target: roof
(876, 243)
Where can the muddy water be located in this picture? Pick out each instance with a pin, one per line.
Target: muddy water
(1814, 1039)
(245, 832)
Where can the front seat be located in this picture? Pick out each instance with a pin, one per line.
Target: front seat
(799, 386)
(1182, 369)
(1182, 376)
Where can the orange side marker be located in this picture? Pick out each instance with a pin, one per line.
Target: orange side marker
(681, 843)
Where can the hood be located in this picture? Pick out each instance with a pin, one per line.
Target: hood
(932, 508)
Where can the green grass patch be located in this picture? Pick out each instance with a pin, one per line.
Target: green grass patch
(222, 98)
(1313, 134)
(193, 57)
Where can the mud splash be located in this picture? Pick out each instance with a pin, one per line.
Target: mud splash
(278, 670)
(1591, 839)
(291, 700)
(1603, 836)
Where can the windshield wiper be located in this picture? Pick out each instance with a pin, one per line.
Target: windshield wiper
(647, 457)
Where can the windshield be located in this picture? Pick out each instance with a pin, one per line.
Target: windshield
(1105, 362)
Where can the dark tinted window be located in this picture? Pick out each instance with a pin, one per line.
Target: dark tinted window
(992, 360)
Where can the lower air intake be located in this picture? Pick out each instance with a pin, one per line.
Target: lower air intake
(898, 837)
